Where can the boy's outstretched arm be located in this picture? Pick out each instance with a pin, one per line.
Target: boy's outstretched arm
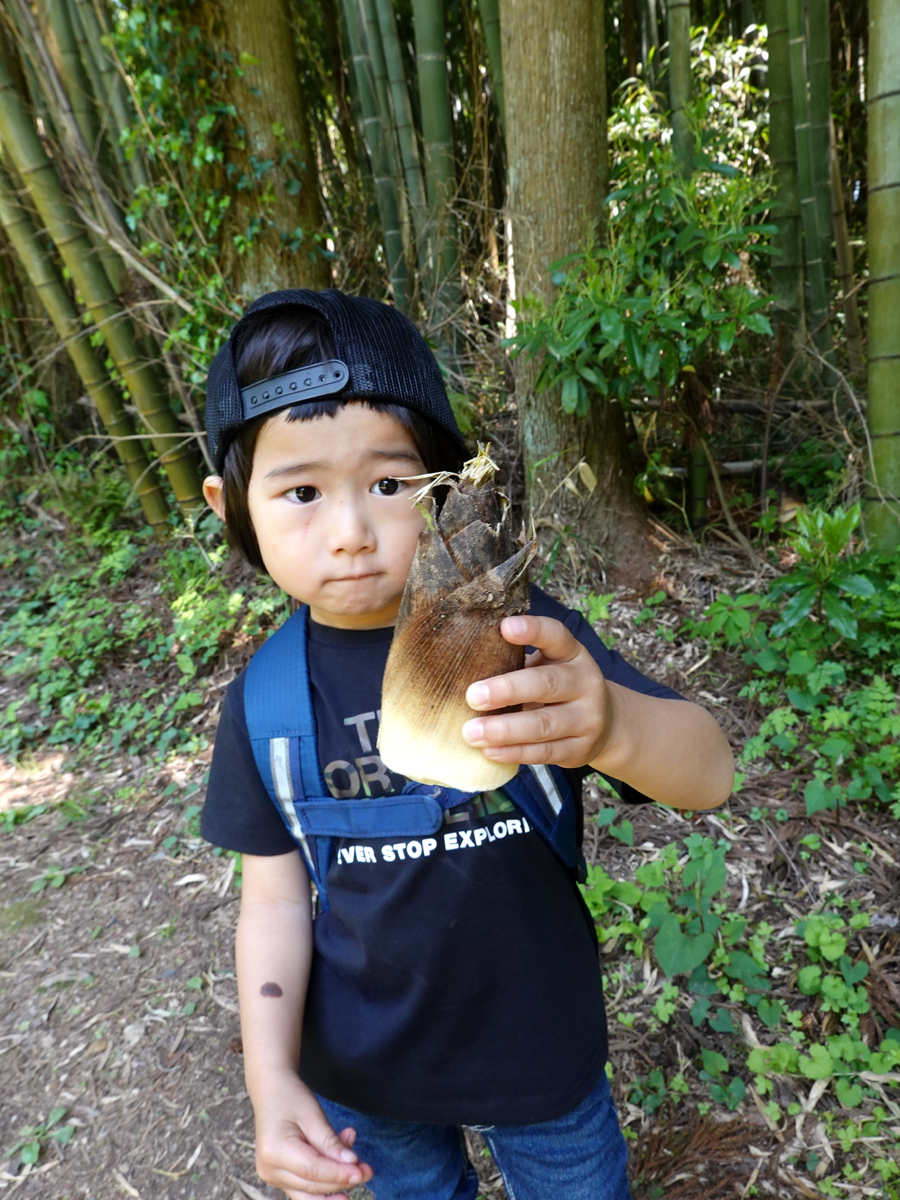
(670, 750)
(296, 1148)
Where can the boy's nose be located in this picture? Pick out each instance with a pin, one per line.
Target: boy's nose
(351, 530)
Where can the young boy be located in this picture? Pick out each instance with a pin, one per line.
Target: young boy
(450, 980)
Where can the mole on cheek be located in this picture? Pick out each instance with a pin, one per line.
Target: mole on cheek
(271, 989)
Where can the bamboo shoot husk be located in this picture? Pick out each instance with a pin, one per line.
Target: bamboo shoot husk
(465, 578)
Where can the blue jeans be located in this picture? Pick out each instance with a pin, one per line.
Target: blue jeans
(580, 1156)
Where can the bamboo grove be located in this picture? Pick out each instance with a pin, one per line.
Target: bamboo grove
(163, 161)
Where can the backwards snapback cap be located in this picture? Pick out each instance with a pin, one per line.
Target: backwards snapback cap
(379, 355)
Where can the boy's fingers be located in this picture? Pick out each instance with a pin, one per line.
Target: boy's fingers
(545, 633)
(563, 752)
(548, 683)
(551, 725)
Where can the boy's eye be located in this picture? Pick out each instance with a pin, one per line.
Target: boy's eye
(388, 487)
(303, 495)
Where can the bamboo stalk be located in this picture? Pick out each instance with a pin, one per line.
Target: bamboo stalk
(437, 136)
(383, 101)
(98, 88)
(406, 131)
(27, 153)
(846, 274)
(66, 321)
(819, 66)
(812, 236)
(112, 92)
(678, 18)
(385, 188)
(787, 266)
(490, 24)
(883, 493)
(73, 74)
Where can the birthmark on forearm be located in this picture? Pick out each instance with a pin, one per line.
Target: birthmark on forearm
(271, 989)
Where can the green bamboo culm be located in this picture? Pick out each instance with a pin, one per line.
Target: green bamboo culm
(73, 74)
(384, 180)
(813, 239)
(490, 24)
(20, 140)
(406, 131)
(437, 136)
(814, 242)
(62, 312)
(678, 18)
(787, 265)
(819, 65)
(104, 80)
(883, 495)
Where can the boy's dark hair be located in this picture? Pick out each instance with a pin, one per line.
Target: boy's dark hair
(278, 340)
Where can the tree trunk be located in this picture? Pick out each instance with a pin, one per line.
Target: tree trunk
(20, 140)
(553, 53)
(272, 112)
(883, 496)
(679, 31)
(68, 325)
(787, 266)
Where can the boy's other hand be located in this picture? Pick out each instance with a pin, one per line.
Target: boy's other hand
(296, 1148)
(563, 692)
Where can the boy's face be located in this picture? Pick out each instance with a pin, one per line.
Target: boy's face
(336, 526)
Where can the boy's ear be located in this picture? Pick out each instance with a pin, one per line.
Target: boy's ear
(214, 491)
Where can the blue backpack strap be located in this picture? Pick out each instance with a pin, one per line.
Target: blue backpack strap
(544, 795)
(281, 722)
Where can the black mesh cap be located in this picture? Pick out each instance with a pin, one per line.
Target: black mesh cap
(386, 357)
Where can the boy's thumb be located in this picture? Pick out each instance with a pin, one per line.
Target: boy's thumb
(320, 1135)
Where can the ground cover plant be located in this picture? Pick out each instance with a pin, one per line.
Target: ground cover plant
(750, 954)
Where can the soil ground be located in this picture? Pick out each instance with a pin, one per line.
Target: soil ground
(118, 999)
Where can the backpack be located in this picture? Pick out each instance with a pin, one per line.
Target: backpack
(281, 723)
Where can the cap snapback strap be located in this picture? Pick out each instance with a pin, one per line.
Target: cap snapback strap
(293, 387)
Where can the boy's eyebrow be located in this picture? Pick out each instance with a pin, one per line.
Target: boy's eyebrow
(380, 455)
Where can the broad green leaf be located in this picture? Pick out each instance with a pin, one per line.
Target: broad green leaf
(570, 393)
(798, 607)
(769, 1012)
(849, 1094)
(756, 322)
(800, 663)
(818, 1065)
(711, 254)
(722, 1022)
(857, 585)
(676, 951)
(713, 1062)
(624, 832)
(611, 325)
(30, 1152)
(727, 333)
(819, 796)
(840, 615)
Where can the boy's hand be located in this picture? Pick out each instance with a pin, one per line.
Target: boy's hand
(296, 1148)
(567, 704)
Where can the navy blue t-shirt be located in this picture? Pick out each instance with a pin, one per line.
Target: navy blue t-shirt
(455, 978)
